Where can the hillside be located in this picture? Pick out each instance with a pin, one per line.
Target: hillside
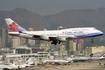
(79, 18)
(24, 18)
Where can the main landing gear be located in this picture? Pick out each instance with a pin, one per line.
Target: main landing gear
(55, 42)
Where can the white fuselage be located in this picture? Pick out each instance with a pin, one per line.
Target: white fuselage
(98, 58)
(60, 35)
(78, 59)
(11, 66)
(68, 33)
(56, 61)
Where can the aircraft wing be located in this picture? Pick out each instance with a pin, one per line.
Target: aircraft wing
(37, 35)
(52, 37)
(67, 36)
(61, 37)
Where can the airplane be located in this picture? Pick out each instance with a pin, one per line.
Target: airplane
(77, 59)
(99, 58)
(58, 62)
(55, 36)
(14, 66)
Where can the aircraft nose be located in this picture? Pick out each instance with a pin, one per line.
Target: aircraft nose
(101, 33)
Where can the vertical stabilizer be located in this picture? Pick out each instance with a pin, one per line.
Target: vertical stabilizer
(28, 62)
(13, 26)
(71, 56)
(103, 55)
(91, 55)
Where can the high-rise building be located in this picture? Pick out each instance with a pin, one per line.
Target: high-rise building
(67, 45)
(23, 41)
(63, 50)
(31, 42)
(4, 36)
(0, 43)
(16, 42)
(70, 46)
(80, 43)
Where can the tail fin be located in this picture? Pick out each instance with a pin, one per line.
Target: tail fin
(13, 26)
(91, 55)
(28, 62)
(103, 55)
(71, 56)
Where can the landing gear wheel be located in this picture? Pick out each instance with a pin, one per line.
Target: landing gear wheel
(54, 42)
(59, 42)
(92, 41)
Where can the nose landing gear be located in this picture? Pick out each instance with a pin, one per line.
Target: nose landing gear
(91, 40)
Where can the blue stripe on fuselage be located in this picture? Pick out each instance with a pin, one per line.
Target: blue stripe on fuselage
(102, 54)
(89, 35)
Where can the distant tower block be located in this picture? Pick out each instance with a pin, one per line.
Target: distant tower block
(60, 28)
(4, 36)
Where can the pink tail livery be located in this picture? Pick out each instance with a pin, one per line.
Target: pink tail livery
(13, 26)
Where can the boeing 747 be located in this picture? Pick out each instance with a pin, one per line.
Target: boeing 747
(55, 36)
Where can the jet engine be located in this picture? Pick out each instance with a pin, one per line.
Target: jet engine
(61, 39)
(44, 37)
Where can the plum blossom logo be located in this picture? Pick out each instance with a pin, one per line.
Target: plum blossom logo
(103, 55)
(13, 26)
(63, 32)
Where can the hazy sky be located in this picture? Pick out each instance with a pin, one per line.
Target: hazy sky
(46, 7)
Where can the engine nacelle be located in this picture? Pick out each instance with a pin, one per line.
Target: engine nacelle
(26, 36)
(61, 39)
(44, 37)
